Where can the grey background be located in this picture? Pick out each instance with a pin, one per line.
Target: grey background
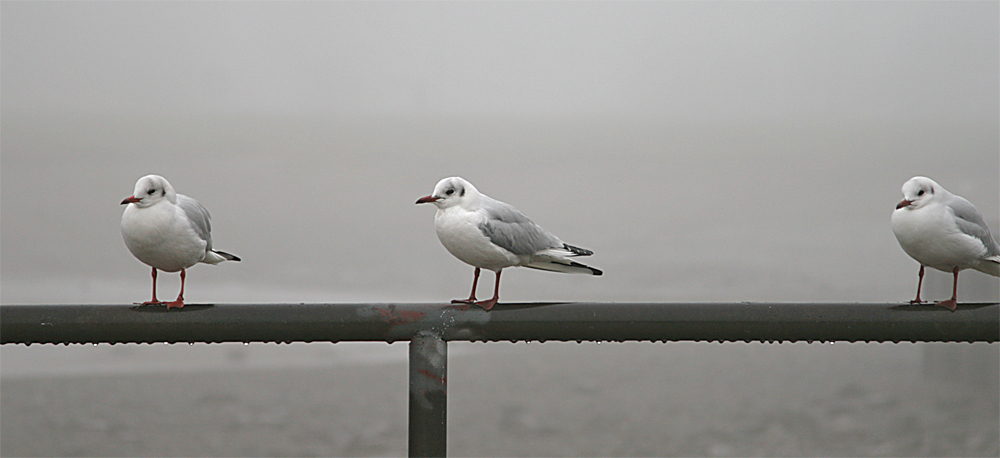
(712, 151)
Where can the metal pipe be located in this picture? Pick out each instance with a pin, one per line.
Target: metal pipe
(428, 428)
(724, 322)
(428, 327)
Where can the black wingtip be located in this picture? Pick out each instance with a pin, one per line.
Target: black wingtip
(228, 256)
(594, 271)
(577, 251)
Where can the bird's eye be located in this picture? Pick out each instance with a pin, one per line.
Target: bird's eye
(920, 193)
(151, 192)
(450, 192)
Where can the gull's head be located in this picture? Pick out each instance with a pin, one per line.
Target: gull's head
(449, 192)
(149, 190)
(917, 192)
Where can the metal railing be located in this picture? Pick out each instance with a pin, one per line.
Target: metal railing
(428, 328)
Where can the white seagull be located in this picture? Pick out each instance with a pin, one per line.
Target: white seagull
(488, 234)
(168, 231)
(943, 231)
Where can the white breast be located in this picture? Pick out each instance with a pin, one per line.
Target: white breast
(459, 232)
(161, 237)
(931, 236)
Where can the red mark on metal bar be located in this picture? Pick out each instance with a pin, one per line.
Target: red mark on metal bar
(433, 376)
(397, 317)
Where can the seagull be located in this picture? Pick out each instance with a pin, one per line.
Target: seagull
(168, 231)
(943, 231)
(488, 234)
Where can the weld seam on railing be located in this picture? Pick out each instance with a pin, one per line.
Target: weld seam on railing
(722, 322)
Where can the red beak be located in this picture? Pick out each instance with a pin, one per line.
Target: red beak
(428, 199)
(130, 200)
(903, 203)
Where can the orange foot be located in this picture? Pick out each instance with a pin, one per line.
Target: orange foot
(487, 305)
(949, 304)
(179, 304)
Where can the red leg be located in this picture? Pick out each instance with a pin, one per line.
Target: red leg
(154, 301)
(179, 303)
(920, 283)
(950, 304)
(487, 305)
(472, 297)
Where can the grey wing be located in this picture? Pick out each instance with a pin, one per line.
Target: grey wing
(201, 221)
(514, 232)
(971, 222)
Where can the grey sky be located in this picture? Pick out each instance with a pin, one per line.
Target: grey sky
(698, 61)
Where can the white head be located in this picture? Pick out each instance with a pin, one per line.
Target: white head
(452, 191)
(151, 189)
(918, 192)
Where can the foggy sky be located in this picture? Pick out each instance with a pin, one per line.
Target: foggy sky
(251, 106)
(863, 61)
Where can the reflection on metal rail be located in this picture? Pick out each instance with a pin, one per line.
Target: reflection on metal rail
(729, 322)
(429, 327)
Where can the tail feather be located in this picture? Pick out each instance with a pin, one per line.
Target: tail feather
(991, 266)
(564, 266)
(229, 257)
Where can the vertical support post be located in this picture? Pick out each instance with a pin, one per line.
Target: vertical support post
(428, 427)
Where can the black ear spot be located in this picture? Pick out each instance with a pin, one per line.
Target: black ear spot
(461, 193)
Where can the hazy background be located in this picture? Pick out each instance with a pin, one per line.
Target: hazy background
(710, 151)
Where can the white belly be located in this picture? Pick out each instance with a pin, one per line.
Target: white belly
(161, 239)
(934, 240)
(460, 235)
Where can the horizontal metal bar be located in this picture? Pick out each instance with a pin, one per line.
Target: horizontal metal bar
(726, 322)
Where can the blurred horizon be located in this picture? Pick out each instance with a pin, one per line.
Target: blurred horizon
(705, 151)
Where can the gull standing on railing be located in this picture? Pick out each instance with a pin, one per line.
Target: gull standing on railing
(168, 231)
(945, 232)
(488, 234)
